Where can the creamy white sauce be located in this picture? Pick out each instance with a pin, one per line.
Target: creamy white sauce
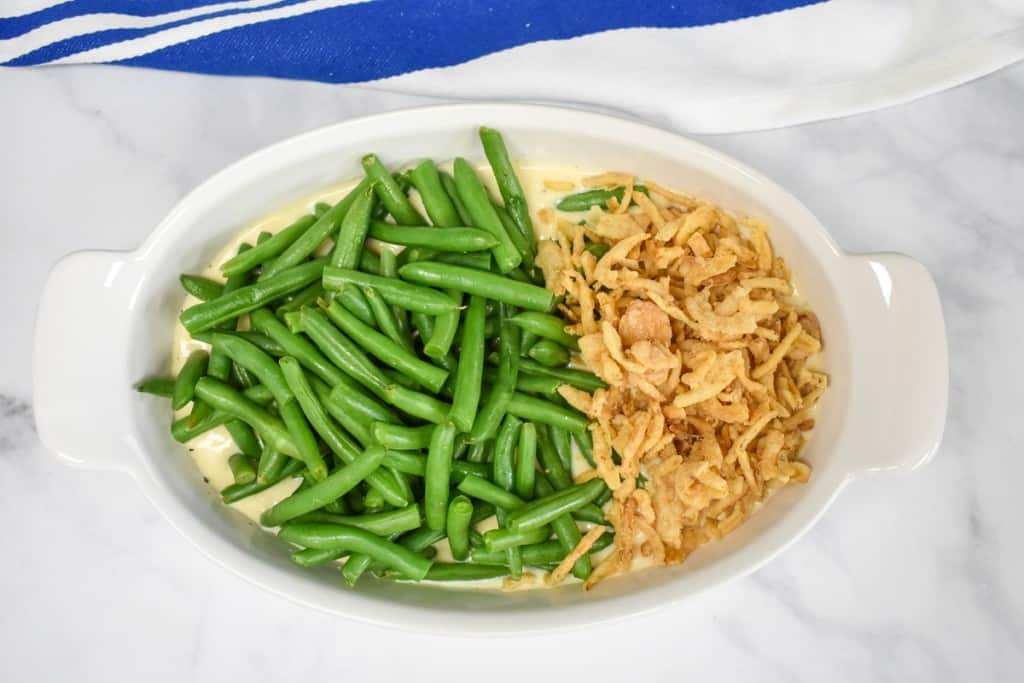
(210, 451)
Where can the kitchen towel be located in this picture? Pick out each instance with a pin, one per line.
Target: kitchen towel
(698, 65)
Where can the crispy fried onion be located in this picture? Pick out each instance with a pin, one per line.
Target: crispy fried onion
(691, 319)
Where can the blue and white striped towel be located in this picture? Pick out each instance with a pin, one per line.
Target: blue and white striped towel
(700, 65)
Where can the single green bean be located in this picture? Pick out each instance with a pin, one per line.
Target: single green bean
(505, 451)
(436, 201)
(549, 353)
(402, 438)
(381, 523)
(547, 326)
(424, 537)
(581, 379)
(546, 412)
(503, 539)
(471, 365)
(438, 475)
(157, 386)
(477, 202)
(424, 325)
(320, 208)
(354, 300)
(369, 261)
(446, 326)
(200, 287)
(526, 464)
(460, 511)
(508, 184)
(489, 492)
(314, 557)
(269, 249)
(409, 297)
(454, 571)
(348, 245)
(353, 539)
(325, 226)
(439, 239)
(271, 464)
(386, 350)
(245, 438)
(185, 383)
(544, 510)
(391, 195)
(562, 441)
(244, 299)
(478, 282)
(583, 201)
(523, 245)
(242, 470)
(220, 365)
(337, 484)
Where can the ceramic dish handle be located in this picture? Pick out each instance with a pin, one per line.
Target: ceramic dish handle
(85, 305)
(897, 341)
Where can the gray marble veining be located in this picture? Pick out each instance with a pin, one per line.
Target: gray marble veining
(910, 577)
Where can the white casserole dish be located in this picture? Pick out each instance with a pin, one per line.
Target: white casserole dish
(881, 317)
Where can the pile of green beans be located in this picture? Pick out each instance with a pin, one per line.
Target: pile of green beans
(405, 369)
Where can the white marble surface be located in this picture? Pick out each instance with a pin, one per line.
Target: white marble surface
(913, 577)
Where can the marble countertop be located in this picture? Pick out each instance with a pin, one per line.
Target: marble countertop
(909, 577)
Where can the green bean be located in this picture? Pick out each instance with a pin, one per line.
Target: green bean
(314, 236)
(476, 539)
(242, 377)
(381, 523)
(526, 464)
(479, 451)
(369, 262)
(242, 470)
(544, 510)
(531, 384)
(540, 554)
(439, 239)
(549, 353)
(476, 201)
(546, 412)
(236, 492)
(581, 379)
(402, 438)
(504, 452)
(200, 287)
(503, 539)
(598, 249)
(524, 246)
(357, 411)
(337, 484)
(438, 475)
(508, 184)
(417, 404)
(227, 400)
(185, 383)
(478, 282)
(585, 442)
(269, 249)
(529, 339)
(244, 299)
(357, 564)
(386, 350)
(583, 201)
(448, 183)
(337, 441)
(353, 539)
(314, 557)
(481, 489)
(183, 429)
(446, 326)
(373, 501)
(424, 325)
(550, 461)
(391, 195)
(157, 386)
(504, 381)
(424, 537)
(471, 365)
(438, 204)
(244, 438)
(460, 510)
(409, 297)
(476, 261)
(562, 441)
(354, 300)
(270, 464)
(546, 326)
(590, 513)
(455, 571)
(348, 245)
(257, 338)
